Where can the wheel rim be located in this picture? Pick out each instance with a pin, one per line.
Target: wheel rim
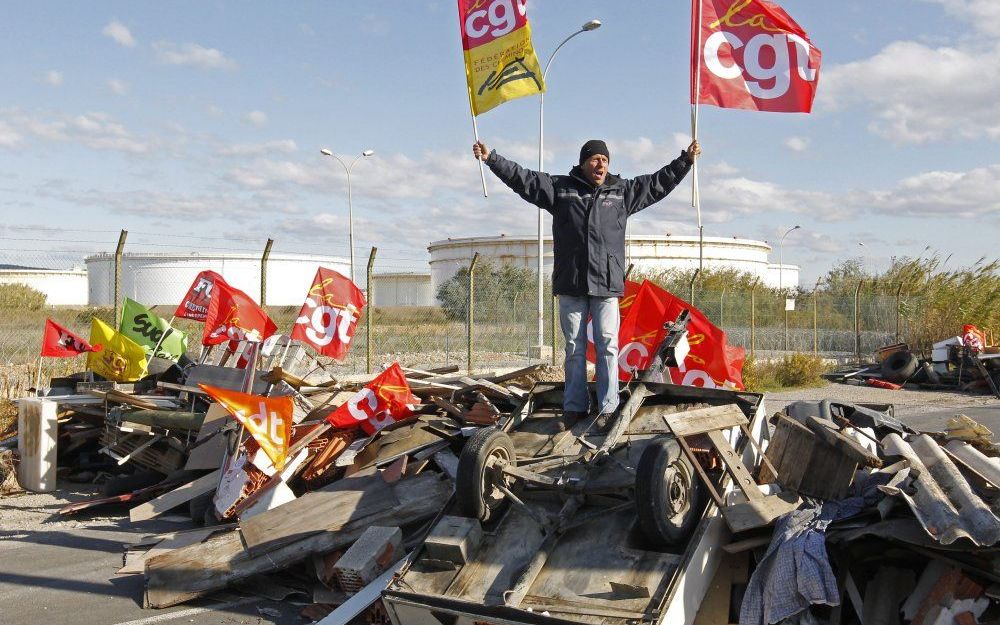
(493, 476)
(678, 489)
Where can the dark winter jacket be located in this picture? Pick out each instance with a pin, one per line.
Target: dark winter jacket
(588, 222)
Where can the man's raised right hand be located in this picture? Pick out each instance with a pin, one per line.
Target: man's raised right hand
(480, 151)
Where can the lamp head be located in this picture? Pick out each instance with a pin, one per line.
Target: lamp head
(326, 152)
(368, 153)
(592, 25)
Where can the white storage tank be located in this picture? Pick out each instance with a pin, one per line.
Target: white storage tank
(647, 252)
(403, 289)
(62, 287)
(163, 279)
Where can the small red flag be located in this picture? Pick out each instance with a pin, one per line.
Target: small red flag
(385, 400)
(232, 315)
(753, 56)
(195, 302)
(330, 314)
(59, 342)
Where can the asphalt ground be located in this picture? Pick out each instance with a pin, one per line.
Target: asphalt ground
(61, 571)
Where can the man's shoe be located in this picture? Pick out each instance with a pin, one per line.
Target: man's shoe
(569, 418)
(603, 422)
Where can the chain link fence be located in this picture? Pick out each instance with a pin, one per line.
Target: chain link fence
(481, 319)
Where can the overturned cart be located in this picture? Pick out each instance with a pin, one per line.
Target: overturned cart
(560, 522)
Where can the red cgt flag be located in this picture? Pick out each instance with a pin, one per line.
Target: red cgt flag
(195, 302)
(59, 342)
(385, 400)
(752, 56)
(330, 314)
(232, 315)
(711, 363)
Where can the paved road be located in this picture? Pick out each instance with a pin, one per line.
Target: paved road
(62, 572)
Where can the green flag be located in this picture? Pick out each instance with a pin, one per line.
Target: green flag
(146, 329)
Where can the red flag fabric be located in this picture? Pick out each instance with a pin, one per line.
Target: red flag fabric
(752, 56)
(624, 304)
(59, 342)
(195, 302)
(386, 399)
(711, 363)
(232, 315)
(330, 314)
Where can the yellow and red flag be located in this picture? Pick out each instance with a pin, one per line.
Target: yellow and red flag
(383, 401)
(120, 360)
(330, 314)
(500, 61)
(268, 419)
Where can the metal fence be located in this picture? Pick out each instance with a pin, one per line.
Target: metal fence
(480, 319)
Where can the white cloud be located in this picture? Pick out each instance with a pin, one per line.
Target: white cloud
(9, 138)
(118, 87)
(286, 146)
(54, 77)
(97, 131)
(120, 33)
(920, 94)
(983, 15)
(257, 118)
(969, 194)
(193, 55)
(797, 144)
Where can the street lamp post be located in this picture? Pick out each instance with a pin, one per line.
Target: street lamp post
(781, 269)
(350, 203)
(589, 26)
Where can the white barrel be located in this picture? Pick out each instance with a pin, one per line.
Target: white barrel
(37, 434)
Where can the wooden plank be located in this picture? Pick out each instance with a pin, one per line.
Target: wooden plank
(759, 512)
(138, 565)
(222, 560)
(208, 456)
(741, 476)
(843, 443)
(168, 501)
(356, 497)
(703, 420)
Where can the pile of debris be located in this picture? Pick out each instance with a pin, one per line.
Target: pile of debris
(894, 525)
(965, 363)
(344, 508)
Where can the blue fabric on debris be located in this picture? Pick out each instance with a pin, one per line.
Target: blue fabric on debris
(795, 571)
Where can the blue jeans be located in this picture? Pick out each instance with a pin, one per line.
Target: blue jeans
(573, 312)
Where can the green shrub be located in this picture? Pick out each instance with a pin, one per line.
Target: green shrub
(800, 370)
(104, 313)
(21, 297)
(503, 292)
(759, 377)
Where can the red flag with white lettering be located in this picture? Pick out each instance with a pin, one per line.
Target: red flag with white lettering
(59, 342)
(195, 302)
(752, 55)
(330, 314)
(233, 316)
(385, 400)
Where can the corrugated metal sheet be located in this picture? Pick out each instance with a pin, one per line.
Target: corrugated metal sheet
(941, 498)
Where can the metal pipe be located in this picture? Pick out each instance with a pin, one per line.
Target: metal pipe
(470, 315)
(118, 276)
(370, 285)
(263, 272)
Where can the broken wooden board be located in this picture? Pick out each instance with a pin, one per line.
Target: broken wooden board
(208, 455)
(222, 560)
(168, 501)
(701, 420)
(356, 496)
(759, 512)
(138, 564)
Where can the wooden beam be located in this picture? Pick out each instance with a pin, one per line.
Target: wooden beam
(168, 501)
(197, 570)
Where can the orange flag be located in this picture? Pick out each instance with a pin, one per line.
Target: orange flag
(269, 419)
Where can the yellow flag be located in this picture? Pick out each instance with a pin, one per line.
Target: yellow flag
(268, 419)
(120, 358)
(500, 61)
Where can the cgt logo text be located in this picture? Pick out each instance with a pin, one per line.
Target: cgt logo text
(494, 17)
(767, 56)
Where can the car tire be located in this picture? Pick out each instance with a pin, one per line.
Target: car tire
(479, 470)
(669, 497)
(899, 366)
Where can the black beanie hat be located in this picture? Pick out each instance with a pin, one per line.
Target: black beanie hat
(592, 147)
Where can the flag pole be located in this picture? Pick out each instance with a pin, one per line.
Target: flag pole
(38, 375)
(165, 334)
(695, 195)
(475, 132)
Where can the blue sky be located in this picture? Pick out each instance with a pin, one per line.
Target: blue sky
(199, 124)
